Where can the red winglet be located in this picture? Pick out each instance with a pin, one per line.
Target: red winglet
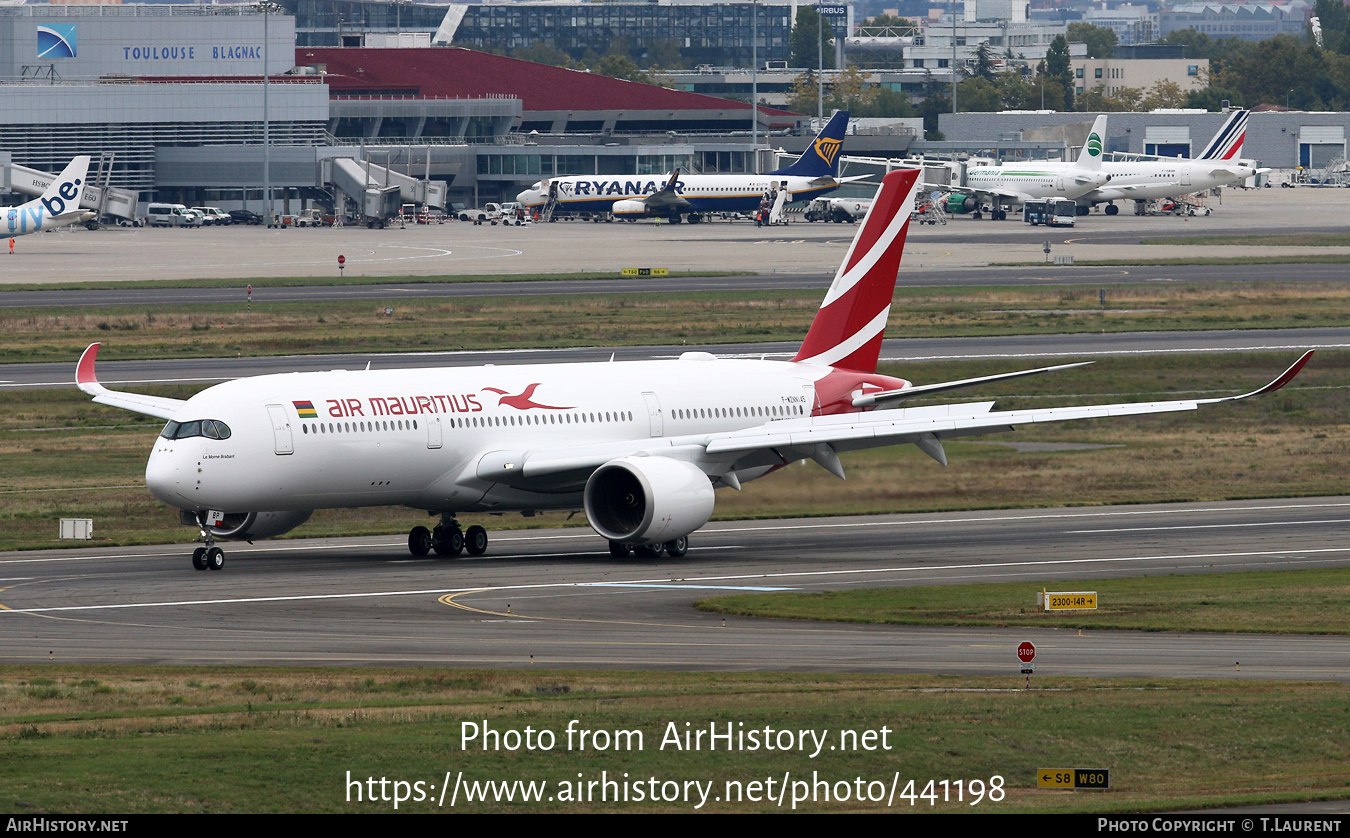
(84, 371)
(1287, 377)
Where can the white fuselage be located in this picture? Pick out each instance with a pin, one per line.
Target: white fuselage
(444, 439)
(1029, 182)
(705, 193)
(1150, 180)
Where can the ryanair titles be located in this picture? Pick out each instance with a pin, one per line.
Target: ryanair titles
(606, 188)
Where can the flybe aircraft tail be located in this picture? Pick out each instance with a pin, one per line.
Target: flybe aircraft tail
(63, 195)
(1091, 155)
(848, 328)
(1227, 144)
(821, 158)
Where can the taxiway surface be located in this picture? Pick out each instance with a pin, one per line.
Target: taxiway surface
(555, 598)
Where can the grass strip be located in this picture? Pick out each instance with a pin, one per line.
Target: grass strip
(253, 739)
(1287, 259)
(60, 334)
(1267, 602)
(1285, 240)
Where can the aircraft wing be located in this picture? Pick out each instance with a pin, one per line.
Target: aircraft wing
(840, 181)
(87, 381)
(1005, 194)
(820, 437)
(666, 198)
(930, 424)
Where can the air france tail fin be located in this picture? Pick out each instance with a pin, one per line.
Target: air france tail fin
(1227, 143)
(63, 194)
(1091, 155)
(848, 328)
(821, 158)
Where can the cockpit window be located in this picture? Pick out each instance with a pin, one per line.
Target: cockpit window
(209, 428)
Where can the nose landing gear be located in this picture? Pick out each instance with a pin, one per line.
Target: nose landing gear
(209, 557)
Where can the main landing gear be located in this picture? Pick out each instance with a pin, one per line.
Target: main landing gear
(447, 539)
(209, 557)
(675, 549)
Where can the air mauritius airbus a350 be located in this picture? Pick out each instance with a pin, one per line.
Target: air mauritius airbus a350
(641, 446)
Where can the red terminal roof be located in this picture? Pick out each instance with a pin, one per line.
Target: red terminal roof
(454, 72)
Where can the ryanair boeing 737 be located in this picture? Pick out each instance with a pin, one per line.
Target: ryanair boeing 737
(674, 197)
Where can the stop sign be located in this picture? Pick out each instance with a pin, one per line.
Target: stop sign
(1026, 652)
(342, 260)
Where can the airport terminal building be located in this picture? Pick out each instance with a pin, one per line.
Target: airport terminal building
(171, 102)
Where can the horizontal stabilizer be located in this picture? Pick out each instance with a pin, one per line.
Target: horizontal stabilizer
(888, 396)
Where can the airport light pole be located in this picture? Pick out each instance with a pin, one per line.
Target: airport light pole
(267, 9)
(754, 78)
(955, 76)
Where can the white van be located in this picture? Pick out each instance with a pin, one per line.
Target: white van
(213, 216)
(171, 215)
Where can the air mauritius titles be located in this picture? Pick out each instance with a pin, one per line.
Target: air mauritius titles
(392, 406)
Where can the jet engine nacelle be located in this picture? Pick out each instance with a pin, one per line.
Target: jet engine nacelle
(958, 204)
(251, 526)
(647, 500)
(629, 208)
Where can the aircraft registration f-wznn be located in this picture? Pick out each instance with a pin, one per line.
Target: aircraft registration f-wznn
(639, 445)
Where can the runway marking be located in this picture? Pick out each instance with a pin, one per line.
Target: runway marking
(1064, 353)
(1052, 515)
(442, 592)
(758, 589)
(450, 599)
(1212, 526)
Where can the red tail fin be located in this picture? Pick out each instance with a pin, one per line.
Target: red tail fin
(848, 328)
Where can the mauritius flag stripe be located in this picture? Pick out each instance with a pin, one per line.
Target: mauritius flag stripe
(306, 410)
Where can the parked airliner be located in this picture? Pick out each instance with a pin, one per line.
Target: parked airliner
(672, 197)
(1219, 164)
(58, 206)
(640, 446)
(1014, 184)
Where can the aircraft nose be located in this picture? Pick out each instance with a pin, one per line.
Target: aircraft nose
(164, 475)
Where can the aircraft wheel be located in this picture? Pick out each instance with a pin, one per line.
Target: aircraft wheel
(419, 541)
(677, 548)
(475, 540)
(215, 558)
(1080, 210)
(199, 559)
(648, 551)
(1112, 209)
(977, 215)
(619, 550)
(447, 541)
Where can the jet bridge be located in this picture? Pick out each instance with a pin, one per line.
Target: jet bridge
(379, 190)
(105, 200)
